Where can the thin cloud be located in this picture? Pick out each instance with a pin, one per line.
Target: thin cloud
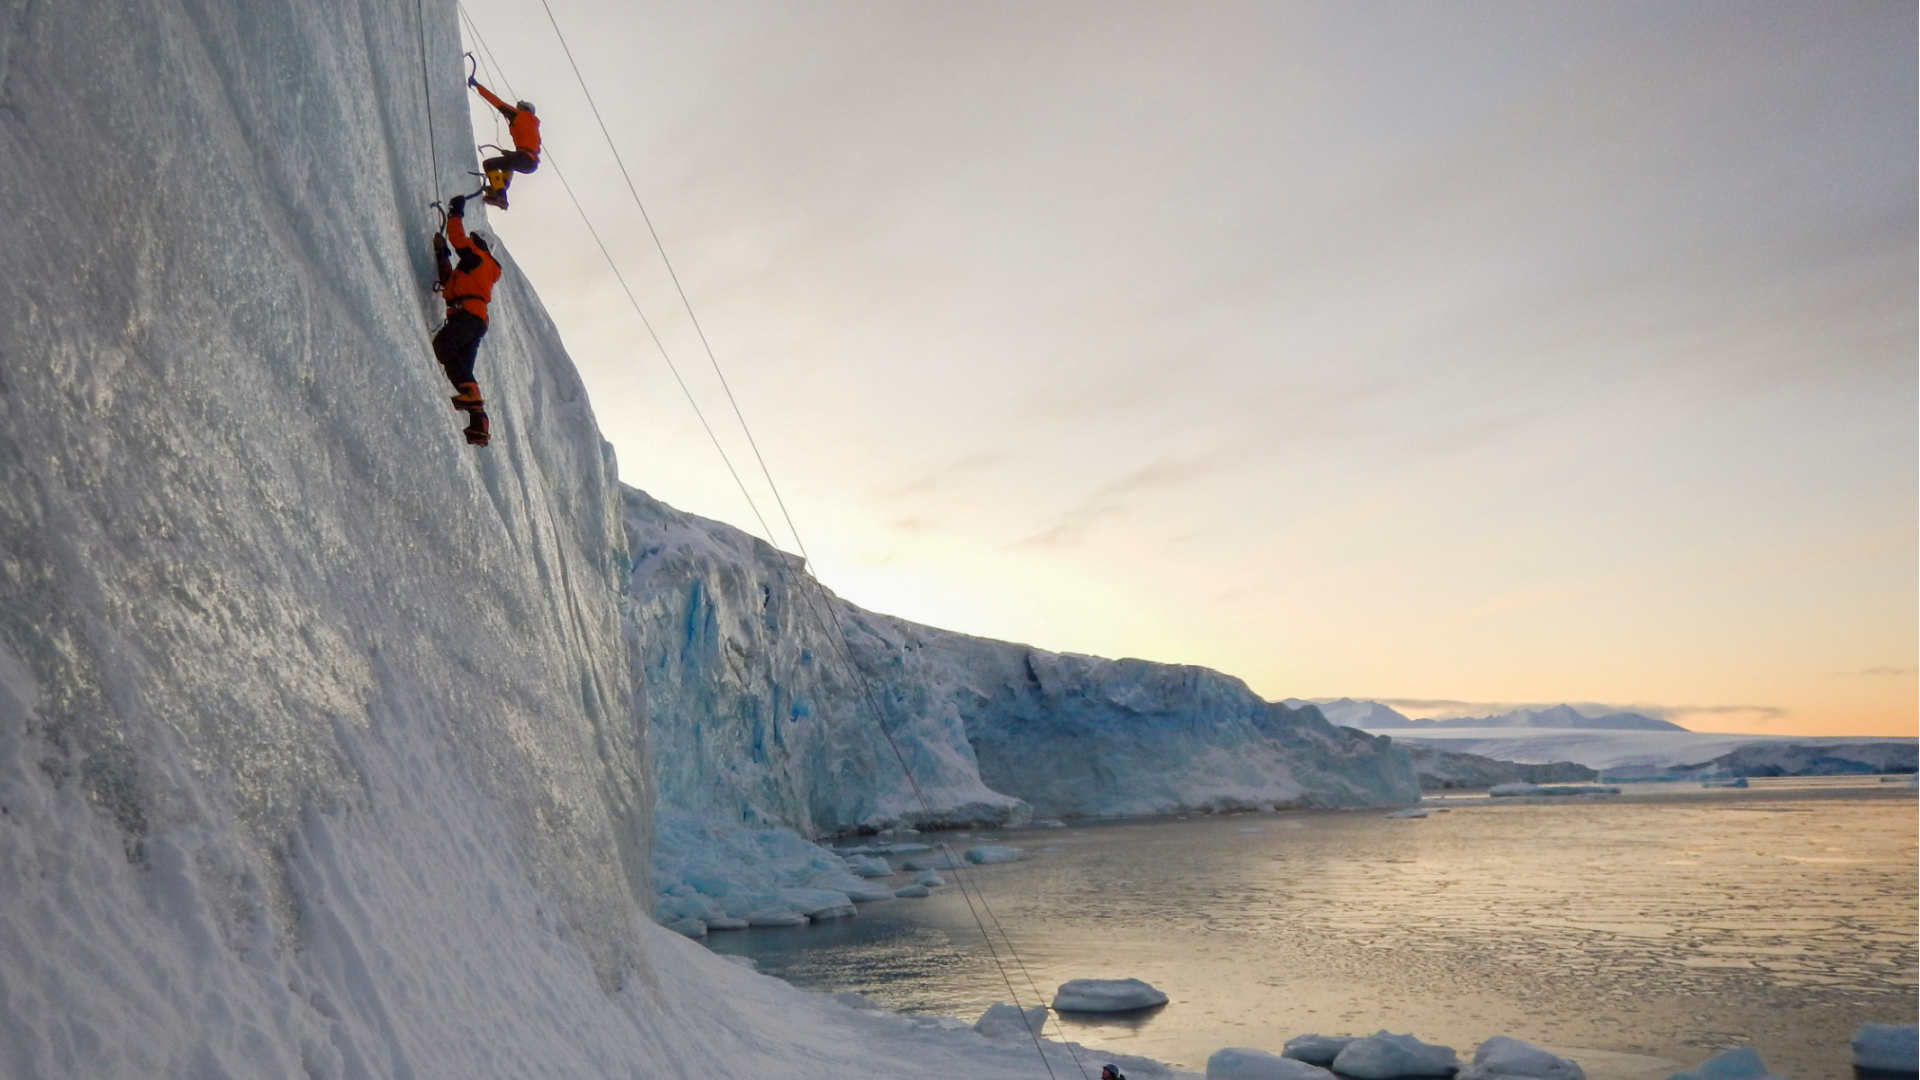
(1873, 672)
(1111, 499)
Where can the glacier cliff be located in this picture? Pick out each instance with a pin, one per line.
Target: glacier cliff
(763, 714)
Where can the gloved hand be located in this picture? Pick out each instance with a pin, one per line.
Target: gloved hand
(471, 81)
(440, 244)
(457, 206)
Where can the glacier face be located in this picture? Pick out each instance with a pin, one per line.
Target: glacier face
(761, 715)
(250, 575)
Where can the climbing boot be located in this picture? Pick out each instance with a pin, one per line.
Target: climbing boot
(469, 396)
(477, 431)
(496, 191)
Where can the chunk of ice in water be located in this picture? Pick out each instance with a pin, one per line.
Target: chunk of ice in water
(1315, 1049)
(1004, 1021)
(868, 866)
(1890, 1047)
(992, 853)
(939, 860)
(1739, 1063)
(1106, 995)
(1243, 1063)
(930, 878)
(1409, 812)
(1503, 1056)
(912, 892)
(1384, 1056)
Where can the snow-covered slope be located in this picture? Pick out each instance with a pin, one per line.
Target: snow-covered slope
(320, 753)
(759, 715)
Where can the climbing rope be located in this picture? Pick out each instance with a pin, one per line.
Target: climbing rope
(971, 895)
(426, 98)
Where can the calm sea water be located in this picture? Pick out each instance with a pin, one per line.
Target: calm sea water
(1635, 933)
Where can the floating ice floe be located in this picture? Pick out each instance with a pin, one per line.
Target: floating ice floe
(1243, 1063)
(776, 916)
(1315, 1049)
(1250, 829)
(1520, 790)
(930, 878)
(912, 892)
(868, 866)
(939, 860)
(1736, 782)
(1106, 995)
(1385, 1056)
(1501, 1056)
(1409, 812)
(1888, 1047)
(1004, 1021)
(1739, 1063)
(992, 853)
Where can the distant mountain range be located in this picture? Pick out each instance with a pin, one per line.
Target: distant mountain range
(1373, 716)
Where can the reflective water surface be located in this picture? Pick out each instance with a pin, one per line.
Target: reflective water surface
(1667, 923)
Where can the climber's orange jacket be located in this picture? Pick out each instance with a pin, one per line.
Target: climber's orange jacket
(521, 124)
(469, 287)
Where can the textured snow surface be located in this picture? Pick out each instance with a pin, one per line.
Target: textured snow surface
(1892, 1047)
(1243, 1063)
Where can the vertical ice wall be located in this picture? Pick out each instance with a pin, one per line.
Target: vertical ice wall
(256, 594)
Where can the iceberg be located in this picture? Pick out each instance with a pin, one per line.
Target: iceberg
(1242, 1063)
(1887, 1047)
(1524, 790)
(868, 866)
(1501, 1056)
(1409, 812)
(991, 853)
(1384, 1056)
(1106, 995)
(1740, 1063)
(1004, 1021)
(912, 892)
(1316, 1049)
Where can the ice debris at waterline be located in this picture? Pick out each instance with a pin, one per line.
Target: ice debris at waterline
(1245, 1063)
(992, 853)
(710, 875)
(1106, 995)
(1004, 1021)
(1502, 1056)
(1385, 1056)
(1740, 1063)
(1514, 791)
(1409, 812)
(1887, 1047)
(1316, 1049)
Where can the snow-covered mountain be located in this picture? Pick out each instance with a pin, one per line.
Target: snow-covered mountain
(1346, 712)
(1374, 716)
(759, 717)
(323, 750)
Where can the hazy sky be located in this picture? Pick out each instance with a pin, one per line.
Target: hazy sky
(1481, 353)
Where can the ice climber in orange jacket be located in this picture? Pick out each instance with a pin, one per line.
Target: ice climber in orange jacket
(467, 287)
(524, 127)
